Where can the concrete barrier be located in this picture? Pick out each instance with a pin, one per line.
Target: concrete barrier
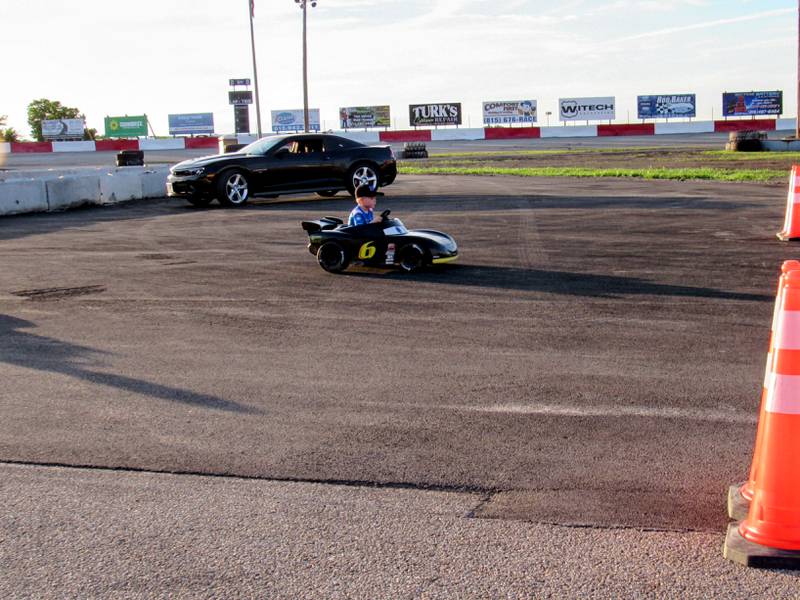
(154, 183)
(172, 144)
(85, 146)
(569, 131)
(442, 135)
(363, 137)
(5, 148)
(678, 128)
(71, 191)
(512, 133)
(22, 196)
(781, 125)
(120, 186)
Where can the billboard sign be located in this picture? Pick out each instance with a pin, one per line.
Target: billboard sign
(364, 116)
(744, 104)
(237, 98)
(126, 127)
(241, 118)
(447, 113)
(292, 120)
(63, 129)
(587, 109)
(191, 123)
(237, 82)
(509, 112)
(667, 107)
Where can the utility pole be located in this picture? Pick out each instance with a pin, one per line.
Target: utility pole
(250, 10)
(302, 4)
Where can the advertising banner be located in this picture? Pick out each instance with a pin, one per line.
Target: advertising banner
(191, 123)
(667, 107)
(240, 97)
(508, 112)
(126, 127)
(238, 82)
(241, 118)
(59, 129)
(587, 109)
(364, 116)
(447, 113)
(292, 120)
(743, 104)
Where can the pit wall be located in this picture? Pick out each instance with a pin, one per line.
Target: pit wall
(424, 135)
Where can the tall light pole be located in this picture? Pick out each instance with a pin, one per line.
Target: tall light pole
(303, 5)
(251, 11)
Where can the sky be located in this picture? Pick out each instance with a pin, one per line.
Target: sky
(108, 57)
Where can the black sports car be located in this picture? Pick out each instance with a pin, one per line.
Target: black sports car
(384, 244)
(285, 164)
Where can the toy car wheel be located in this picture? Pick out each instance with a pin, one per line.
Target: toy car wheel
(233, 189)
(332, 257)
(411, 258)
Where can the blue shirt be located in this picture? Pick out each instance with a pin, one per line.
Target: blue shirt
(359, 216)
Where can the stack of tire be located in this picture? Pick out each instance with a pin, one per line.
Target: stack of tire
(746, 141)
(415, 150)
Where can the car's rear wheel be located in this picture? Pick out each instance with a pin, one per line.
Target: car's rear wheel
(201, 202)
(233, 189)
(411, 258)
(361, 174)
(332, 257)
(328, 193)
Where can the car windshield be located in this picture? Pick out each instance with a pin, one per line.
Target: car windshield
(263, 145)
(396, 227)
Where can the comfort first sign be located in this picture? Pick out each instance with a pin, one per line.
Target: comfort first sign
(587, 109)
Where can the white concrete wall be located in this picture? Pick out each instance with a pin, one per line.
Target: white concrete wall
(170, 144)
(84, 146)
(363, 137)
(22, 196)
(693, 127)
(441, 135)
(5, 148)
(154, 182)
(72, 190)
(120, 186)
(570, 131)
(786, 125)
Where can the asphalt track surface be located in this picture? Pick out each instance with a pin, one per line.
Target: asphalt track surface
(717, 141)
(594, 361)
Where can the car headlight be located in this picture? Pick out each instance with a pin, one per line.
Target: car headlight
(196, 171)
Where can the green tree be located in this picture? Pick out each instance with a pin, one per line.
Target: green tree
(9, 135)
(44, 109)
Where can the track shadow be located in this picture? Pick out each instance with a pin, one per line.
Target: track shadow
(23, 349)
(555, 282)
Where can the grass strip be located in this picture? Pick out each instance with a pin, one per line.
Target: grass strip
(731, 155)
(707, 174)
(552, 151)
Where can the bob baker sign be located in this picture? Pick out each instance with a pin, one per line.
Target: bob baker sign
(587, 109)
(504, 113)
(448, 113)
(667, 107)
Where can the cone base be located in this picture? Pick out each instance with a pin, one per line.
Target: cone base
(749, 554)
(784, 237)
(738, 505)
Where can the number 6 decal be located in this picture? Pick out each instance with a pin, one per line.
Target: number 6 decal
(367, 251)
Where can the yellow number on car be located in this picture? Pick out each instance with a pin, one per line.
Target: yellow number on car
(367, 251)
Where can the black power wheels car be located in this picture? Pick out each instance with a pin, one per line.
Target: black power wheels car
(385, 244)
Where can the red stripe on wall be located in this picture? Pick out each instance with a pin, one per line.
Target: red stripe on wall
(628, 129)
(201, 142)
(27, 147)
(742, 125)
(116, 145)
(512, 133)
(411, 135)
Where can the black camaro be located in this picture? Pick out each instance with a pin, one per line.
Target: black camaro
(284, 164)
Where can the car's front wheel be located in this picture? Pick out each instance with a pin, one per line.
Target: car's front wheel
(233, 189)
(362, 174)
(411, 258)
(332, 257)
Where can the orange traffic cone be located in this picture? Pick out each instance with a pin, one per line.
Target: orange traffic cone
(791, 223)
(740, 495)
(770, 535)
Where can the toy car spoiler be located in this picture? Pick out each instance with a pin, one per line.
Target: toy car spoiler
(322, 224)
